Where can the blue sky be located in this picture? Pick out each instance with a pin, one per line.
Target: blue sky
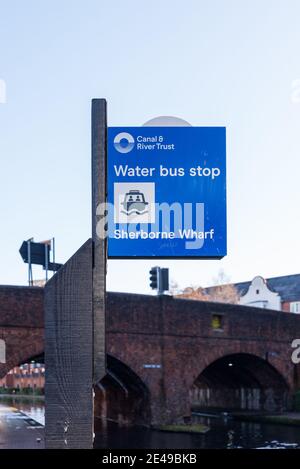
(212, 63)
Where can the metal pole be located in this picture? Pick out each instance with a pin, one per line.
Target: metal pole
(159, 291)
(29, 263)
(46, 260)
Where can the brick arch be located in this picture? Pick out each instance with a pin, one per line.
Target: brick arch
(255, 357)
(212, 355)
(122, 395)
(117, 347)
(21, 324)
(21, 346)
(241, 380)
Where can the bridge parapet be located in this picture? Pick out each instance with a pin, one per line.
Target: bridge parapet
(21, 306)
(150, 314)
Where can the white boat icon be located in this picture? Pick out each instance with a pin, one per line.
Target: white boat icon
(134, 202)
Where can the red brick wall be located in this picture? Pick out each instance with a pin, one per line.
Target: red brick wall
(21, 306)
(177, 335)
(21, 324)
(173, 333)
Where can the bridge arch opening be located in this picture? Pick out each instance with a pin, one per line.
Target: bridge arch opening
(121, 396)
(40, 358)
(27, 377)
(240, 382)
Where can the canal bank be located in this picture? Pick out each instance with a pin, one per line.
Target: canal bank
(18, 430)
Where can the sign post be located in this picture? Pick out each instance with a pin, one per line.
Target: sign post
(99, 191)
(75, 320)
(165, 198)
(167, 192)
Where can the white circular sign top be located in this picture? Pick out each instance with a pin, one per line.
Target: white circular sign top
(167, 121)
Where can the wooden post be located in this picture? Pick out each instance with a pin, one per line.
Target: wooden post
(99, 192)
(75, 354)
(69, 353)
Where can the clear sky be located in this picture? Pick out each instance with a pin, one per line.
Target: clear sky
(228, 63)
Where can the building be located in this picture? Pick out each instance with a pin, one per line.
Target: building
(27, 376)
(278, 293)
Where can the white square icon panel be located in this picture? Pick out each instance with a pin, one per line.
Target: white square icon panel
(134, 202)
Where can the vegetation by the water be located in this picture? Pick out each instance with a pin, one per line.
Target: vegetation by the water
(21, 391)
(196, 428)
(9, 398)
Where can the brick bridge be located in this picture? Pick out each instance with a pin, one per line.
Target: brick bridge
(166, 355)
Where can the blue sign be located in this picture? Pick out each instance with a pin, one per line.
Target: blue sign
(166, 192)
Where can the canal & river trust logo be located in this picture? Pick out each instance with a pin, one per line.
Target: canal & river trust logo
(124, 142)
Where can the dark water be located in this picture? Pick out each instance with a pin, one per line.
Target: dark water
(223, 433)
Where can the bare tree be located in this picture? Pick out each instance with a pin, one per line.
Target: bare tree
(174, 289)
(224, 294)
(222, 291)
(221, 279)
(193, 293)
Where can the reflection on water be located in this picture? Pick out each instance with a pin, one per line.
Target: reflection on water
(33, 407)
(229, 433)
(224, 432)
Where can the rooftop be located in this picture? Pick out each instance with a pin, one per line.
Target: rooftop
(288, 287)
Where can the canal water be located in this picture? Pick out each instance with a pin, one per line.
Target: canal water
(33, 407)
(224, 432)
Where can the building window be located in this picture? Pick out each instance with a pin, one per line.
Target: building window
(257, 292)
(217, 322)
(295, 307)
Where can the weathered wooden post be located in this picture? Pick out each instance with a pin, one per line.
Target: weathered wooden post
(99, 196)
(75, 321)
